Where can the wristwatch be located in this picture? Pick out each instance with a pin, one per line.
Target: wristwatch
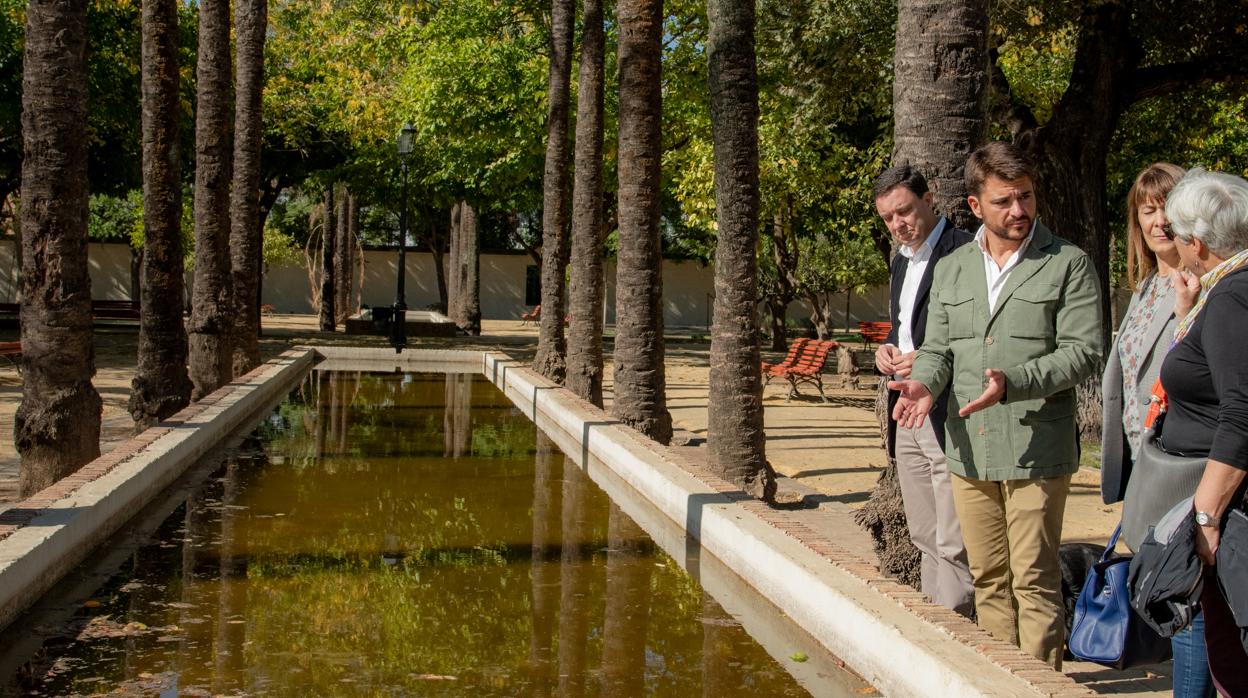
(1206, 519)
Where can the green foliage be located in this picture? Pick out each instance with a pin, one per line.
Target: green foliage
(280, 250)
(116, 218)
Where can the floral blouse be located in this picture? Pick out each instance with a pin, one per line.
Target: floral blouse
(1134, 349)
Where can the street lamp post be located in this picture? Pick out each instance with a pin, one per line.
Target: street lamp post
(398, 321)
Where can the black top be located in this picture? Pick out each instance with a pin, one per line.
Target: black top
(1206, 377)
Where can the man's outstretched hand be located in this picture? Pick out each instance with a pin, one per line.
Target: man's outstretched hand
(994, 392)
(913, 405)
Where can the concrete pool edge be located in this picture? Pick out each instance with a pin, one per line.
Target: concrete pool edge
(48, 534)
(885, 631)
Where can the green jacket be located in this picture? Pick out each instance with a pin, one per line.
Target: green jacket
(1045, 334)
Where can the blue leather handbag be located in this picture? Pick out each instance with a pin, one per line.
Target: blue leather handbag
(1106, 629)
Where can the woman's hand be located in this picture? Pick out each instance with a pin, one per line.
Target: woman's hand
(1213, 496)
(1186, 291)
(1207, 538)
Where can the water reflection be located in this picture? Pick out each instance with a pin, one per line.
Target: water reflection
(457, 424)
(627, 619)
(544, 577)
(576, 566)
(381, 537)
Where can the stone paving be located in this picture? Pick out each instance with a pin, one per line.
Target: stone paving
(829, 452)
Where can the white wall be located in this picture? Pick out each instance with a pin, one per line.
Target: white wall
(688, 287)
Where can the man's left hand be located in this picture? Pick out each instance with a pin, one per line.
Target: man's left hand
(994, 391)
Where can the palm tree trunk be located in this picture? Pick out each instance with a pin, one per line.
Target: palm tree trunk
(436, 242)
(246, 233)
(640, 384)
(550, 360)
(329, 240)
(161, 385)
(343, 260)
(212, 309)
(735, 422)
(465, 310)
(940, 94)
(584, 360)
(57, 426)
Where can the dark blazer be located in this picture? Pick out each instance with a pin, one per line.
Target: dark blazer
(950, 239)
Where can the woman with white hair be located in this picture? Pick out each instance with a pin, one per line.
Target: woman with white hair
(1205, 382)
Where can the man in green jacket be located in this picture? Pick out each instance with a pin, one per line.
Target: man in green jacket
(1014, 324)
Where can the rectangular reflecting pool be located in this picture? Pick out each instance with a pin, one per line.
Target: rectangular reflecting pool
(401, 534)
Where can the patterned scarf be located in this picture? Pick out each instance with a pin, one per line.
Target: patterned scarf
(1160, 402)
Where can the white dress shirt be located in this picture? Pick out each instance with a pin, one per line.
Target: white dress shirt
(916, 265)
(998, 275)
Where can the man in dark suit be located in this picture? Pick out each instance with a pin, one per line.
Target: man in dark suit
(904, 203)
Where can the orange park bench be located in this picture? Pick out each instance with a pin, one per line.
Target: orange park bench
(770, 370)
(809, 368)
(874, 331)
(12, 352)
(114, 310)
(531, 316)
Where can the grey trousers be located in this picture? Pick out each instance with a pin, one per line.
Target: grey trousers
(927, 495)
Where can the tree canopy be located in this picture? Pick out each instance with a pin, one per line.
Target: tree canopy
(470, 76)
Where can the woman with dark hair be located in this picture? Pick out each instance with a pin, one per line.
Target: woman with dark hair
(1133, 363)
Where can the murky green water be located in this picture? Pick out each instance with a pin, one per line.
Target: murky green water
(387, 534)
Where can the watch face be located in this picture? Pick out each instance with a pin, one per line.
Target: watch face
(1202, 518)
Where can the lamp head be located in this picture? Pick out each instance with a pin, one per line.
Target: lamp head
(404, 142)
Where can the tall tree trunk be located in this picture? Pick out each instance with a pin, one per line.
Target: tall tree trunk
(452, 252)
(342, 257)
(1071, 149)
(161, 385)
(627, 616)
(136, 276)
(246, 233)
(346, 257)
(940, 94)
(465, 310)
(784, 250)
(584, 360)
(212, 310)
(550, 360)
(436, 241)
(57, 426)
(329, 239)
(735, 419)
(640, 399)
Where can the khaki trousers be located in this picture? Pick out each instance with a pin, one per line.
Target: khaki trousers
(927, 495)
(1012, 531)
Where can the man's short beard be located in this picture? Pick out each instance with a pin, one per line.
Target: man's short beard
(1004, 233)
